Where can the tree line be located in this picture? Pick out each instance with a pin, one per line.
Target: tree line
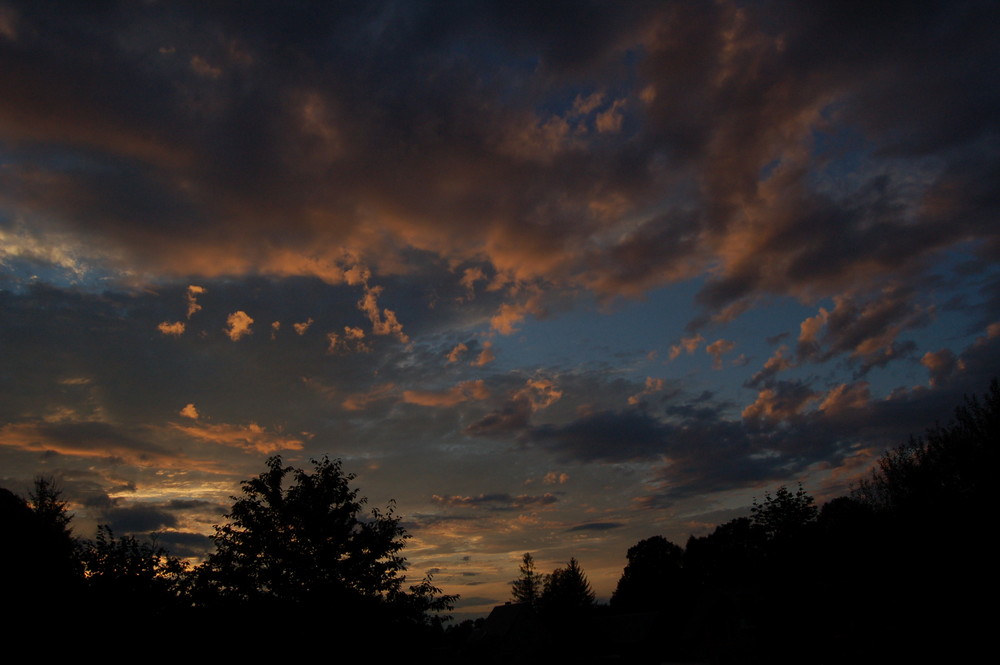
(895, 570)
(889, 572)
(297, 552)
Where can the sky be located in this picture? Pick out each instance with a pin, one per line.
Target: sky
(554, 277)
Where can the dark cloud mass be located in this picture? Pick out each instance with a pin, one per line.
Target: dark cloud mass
(531, 269)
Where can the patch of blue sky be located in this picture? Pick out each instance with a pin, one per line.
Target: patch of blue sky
(620, 335)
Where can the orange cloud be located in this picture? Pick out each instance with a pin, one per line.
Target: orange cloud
(251, 437)
(539, 393)
(469, 279)
(774, 405)
(511, 314)
(176, 328)
(486, 356)
(203, 68)
(846, 397)
(610, 121)
(361, 401)
(463, 392)
(717, 349)
(456, 353)
(189, 411)
(687, 344)
(239, 325)
(352, 340)
(941, 365)
(652, 386)
(193, 292)
(87, 439)
(554, 478)
(301, 328)
(384, 322)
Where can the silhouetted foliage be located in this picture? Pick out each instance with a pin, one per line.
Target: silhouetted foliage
(954, 464)
(124, 572)
(653, 577)
(39, 568)
(529, 586)
(567, 590)
(299, 543)
(783, 515)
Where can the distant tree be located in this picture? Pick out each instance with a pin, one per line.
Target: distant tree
(783, 515)
(124, 572)
(47, 504)
(298, 542)
(567, 590)
(652, 579)
(528, 587)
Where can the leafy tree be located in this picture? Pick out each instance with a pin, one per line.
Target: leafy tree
(38, 562)
(653, 577)
(124, 572)
(298, 541)
(567, 590)
(950, 467)
(783, 515)
(528, 587)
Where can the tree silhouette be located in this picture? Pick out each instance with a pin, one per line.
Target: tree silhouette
(567, 590)
(124, 572)
(783, 515)
(528, 587)
(950, 466)
(39, 567)
(652, 579)
(298, 543)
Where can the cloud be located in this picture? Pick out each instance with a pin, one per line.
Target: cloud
(515, 414)
(496, 501)
(783, 401)
(86, 439)
(555, 478)
(610, 120)
(596, 526)
(511, 314)
(189, 411)
(175, 329)
(866, 331)
(361, 401)
(250, 437)
(463, 392)
(384, 322)
(941, 365)
(688, 344)
(539, 393)
(652, 386)
(846, 396)
(238, 325)
(8, 23)
(605, 436)
(717, 349)
(486, 356)
(193, 292)
(351, 340)
(456, 352)
(779, 362)
(139, 519)
(302, 327)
